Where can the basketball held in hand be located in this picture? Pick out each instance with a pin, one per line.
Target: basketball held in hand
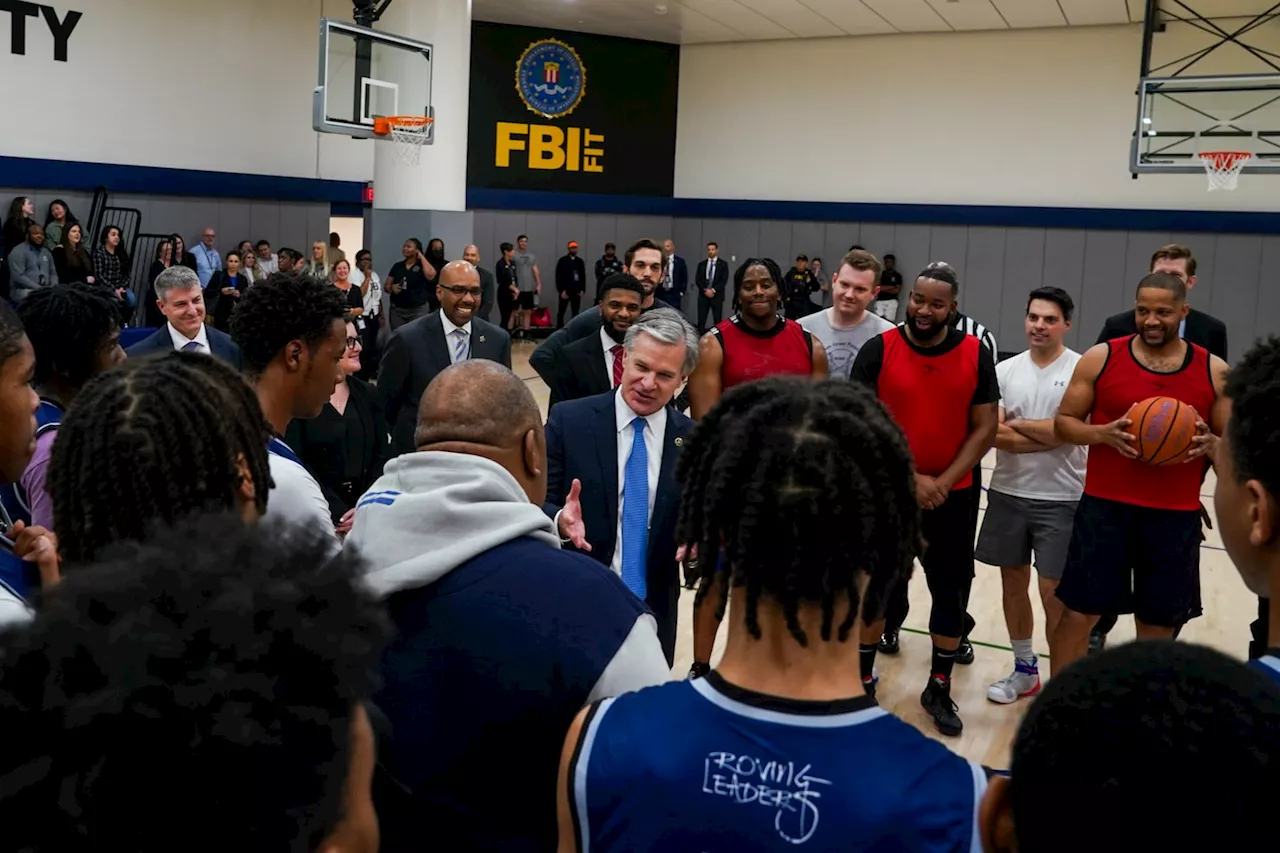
(1164, 428)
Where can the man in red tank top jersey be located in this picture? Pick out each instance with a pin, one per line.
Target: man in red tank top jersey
(753, 343)
(1135, 546)
(940, 386)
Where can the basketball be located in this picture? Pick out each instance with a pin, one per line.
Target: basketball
(1164, 428)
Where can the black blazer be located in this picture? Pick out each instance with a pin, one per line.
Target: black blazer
(582, 444)
(323, 445)
(160, 342)
(415, 353)
(580, 372)
(721, 282)
(1202, 330)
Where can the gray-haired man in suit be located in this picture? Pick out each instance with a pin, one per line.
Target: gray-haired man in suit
(418, 351)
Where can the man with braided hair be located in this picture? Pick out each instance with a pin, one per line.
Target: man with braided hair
(807, 489)
(153, 441)
(292, 334)
(75, 332)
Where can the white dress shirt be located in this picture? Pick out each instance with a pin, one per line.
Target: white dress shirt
(608, 343)
(180, 340)
(451, 340)
(655, 433)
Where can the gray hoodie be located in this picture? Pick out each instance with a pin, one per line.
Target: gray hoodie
(430, 512)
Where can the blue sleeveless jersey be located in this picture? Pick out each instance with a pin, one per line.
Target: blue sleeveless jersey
(12, 496)
(705, 767)
(1268, 665)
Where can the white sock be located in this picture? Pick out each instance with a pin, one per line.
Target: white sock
(1022, 651)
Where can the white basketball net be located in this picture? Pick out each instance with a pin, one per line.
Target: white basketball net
(1223, 168)
(407, 138)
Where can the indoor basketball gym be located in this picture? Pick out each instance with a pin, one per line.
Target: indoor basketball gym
(1023, 142)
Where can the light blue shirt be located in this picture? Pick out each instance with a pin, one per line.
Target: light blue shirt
(1182, 328)
(208, 262)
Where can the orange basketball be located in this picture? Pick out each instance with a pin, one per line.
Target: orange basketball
(1164, 428)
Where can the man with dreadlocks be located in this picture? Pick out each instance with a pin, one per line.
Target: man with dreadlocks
(940, 386)
(807, 489)
(75, 332)
(292, 334)
(154, 441)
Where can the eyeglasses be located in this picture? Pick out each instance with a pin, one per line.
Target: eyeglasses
(352, 343)
(473, 292)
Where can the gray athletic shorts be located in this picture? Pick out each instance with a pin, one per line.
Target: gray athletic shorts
(1014, 528)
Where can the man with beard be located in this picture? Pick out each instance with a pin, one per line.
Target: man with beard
(940, 385)
(645, 262)
(571, 280)
(608, 264)
(593, 365)
(1136, 543)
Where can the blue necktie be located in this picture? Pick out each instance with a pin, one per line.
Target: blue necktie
(635, 513)
(460, 345)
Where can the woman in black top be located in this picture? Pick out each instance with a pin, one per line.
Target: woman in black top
(152, 317)
(71, 259)
(355, 299)
(347, 445)
(181, 256)
(15, 224)
(226, 286)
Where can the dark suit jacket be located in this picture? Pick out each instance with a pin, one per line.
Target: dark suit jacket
(582, 444)
(414, 354)
(488, 293)
(1202, 330)
(679, 283)
(580, 371)
(721, 282)
(160, 342)
(565, 269)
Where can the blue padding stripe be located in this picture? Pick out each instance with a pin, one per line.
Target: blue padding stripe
(26, 172)
(932, 214)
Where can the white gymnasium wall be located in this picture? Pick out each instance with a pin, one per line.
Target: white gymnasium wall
(1022, 117)
(222, 86)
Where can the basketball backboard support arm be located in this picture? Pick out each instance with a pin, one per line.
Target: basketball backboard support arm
(1207, 81)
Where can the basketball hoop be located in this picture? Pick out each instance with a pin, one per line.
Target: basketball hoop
(408, 135)
(1223, 167)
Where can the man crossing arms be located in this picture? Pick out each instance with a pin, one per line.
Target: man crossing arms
(1036, 485)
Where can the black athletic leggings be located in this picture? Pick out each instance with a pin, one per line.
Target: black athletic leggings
(948, 567)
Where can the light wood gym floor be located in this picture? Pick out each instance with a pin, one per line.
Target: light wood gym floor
(989, 728)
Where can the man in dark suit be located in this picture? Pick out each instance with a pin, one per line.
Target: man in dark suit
(471, 254)
(713, 280)
(181, 301)
(1199, 328)
(611, 462)
(571, 281)
(594, 364)
(675, 277)
(420, 349)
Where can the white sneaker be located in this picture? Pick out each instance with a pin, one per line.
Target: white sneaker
(1023, 681)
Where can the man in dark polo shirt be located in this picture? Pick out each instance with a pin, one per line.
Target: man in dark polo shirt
(940, 386)
(409, 283)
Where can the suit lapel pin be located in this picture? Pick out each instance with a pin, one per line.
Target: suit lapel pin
(679, 442)
(482, 339)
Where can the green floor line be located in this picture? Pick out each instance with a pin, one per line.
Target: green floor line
(1008, 649)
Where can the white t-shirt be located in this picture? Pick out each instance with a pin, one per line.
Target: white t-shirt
(296, 497)
(1033, 393)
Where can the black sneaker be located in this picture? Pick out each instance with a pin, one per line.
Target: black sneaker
(964, 652)
(889, 642)
(936, 699)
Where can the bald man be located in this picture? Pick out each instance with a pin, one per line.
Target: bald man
(471, 254)
(501, 637)
(418, 351)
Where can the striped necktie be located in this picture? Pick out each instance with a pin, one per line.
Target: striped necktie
(461, 341)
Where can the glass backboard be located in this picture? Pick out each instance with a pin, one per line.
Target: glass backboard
(365, 75)
(1181, 117)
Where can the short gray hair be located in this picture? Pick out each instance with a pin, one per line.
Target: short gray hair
(667, 326)
(175, 278)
